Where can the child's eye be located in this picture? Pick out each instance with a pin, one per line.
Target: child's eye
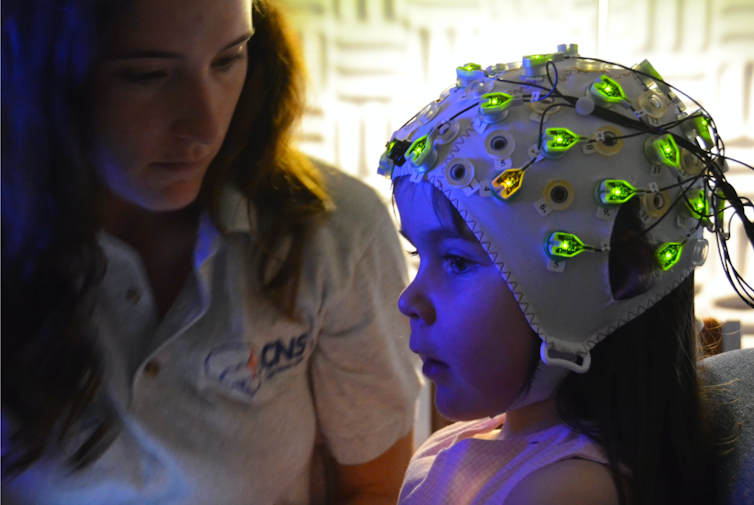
(458, 265)
(413, 253)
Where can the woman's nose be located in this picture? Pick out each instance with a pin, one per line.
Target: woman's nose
(199, 119)
(415, 304)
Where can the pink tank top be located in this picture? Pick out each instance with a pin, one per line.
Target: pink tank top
(453, 467)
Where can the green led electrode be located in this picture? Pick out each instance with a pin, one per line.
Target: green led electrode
(699, 205)
(560, 139)
(615, 191)
(507, 183)
(556, 141)
(390, 147)
(663, 149)
(702, 128)
(607, 90)
(467, 73)
(386, 165)
(417, 148)
(562, 245)
(421, 154)
(470, 67)
(494, 106)
(669, 254)
(496, 101)
(538, 59)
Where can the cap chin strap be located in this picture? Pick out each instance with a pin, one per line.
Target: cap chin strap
(586, 360)
(549, 373)
(546, 379)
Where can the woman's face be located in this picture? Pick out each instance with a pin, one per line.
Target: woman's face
(466, 325)
(164, 94)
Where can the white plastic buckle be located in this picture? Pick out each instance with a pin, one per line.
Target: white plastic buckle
(570, 365)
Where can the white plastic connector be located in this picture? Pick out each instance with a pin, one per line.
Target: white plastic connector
(586, 361)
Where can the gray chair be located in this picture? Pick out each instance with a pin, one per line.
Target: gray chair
(729, 381)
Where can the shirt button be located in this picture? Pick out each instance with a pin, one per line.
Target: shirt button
(133, 295)
(151, 368)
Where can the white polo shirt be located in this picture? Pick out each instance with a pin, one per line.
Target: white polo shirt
(216, 401)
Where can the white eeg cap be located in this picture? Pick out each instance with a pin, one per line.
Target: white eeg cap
(470, 142)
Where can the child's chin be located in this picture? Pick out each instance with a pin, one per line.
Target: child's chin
(456, 409)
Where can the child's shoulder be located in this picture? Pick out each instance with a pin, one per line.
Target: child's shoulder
(451, 434)
(570, 481)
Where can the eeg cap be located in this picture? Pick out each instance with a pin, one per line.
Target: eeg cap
(538, 156)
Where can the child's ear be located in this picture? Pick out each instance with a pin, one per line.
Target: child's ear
(632, 260)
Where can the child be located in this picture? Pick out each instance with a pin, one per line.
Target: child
(556, 203)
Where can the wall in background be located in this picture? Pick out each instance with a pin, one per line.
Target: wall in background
(374, 63)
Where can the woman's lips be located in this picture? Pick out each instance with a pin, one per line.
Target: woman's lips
(180, 166)
(178, 171)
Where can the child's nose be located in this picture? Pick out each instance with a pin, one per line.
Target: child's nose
(414, 304)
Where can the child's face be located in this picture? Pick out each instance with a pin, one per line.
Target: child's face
(164, 95)
(466, 325)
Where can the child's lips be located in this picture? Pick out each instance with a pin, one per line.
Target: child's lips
(433, 368)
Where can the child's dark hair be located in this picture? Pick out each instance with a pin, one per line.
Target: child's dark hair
(640, 400)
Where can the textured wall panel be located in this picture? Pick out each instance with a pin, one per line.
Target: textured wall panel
(373, 63)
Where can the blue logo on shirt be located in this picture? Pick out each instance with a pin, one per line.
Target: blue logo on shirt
(237, 366)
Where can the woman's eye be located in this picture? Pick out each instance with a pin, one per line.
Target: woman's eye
(143, 77)
(229, 61)
(459, 265)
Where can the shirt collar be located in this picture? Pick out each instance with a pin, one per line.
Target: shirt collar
(236, 212)
(236, 216)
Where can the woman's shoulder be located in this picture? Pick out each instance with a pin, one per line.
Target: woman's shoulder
(571, 481)
(358, 217)
(350, 196)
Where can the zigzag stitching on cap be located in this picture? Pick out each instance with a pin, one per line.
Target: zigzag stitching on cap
(486, 245)
(459, 141)
(507, 275)
(639, 310)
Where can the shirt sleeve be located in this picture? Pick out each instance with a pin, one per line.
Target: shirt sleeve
(364, 376)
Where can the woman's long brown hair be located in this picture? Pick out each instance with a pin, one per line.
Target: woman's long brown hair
(52, 372)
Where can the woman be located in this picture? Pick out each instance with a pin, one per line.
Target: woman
(180, 287)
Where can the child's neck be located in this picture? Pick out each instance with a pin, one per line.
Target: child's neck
(531, 418)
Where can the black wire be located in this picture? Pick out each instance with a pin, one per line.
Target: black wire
(738, 161)
(682, 182)
(464, 110)
(544, 115)
(553, 84)
(715, 175)
(657, 79)
(715, 183)
(675, 202)
(727, 263)
(523, 83)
